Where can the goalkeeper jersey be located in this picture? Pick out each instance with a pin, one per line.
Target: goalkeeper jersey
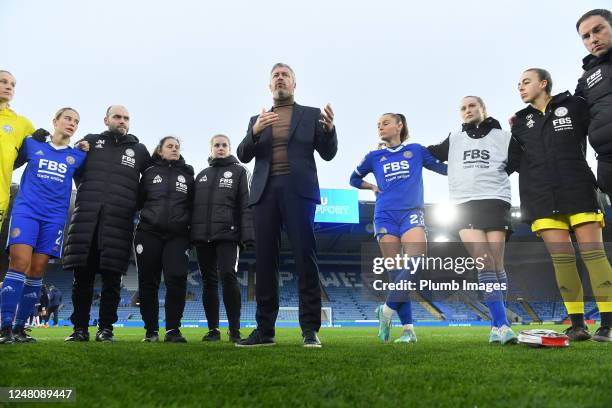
(13, 129)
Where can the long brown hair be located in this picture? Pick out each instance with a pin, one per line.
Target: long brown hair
(400, 118)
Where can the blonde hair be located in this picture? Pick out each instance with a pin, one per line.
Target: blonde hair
(229, 143)
(58, 114)
(220, 135)
(481, 103)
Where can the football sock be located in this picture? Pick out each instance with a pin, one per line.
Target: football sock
(493, 299)
(569, 282)
(577, 319)
(409, 326)
(601, 278)
(606, 319)
(405, 313)
(502, 278)
(399, 300)
(11, 295)
(29, 297)
(397, 297)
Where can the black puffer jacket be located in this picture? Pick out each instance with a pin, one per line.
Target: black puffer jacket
(107, 196)
(595, 86)
(220, 207)
(166, 196)
(548, 149)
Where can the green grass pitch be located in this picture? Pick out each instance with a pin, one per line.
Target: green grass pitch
(449, 366)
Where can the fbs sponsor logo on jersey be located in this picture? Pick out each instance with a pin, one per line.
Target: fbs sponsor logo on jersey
(476, 158)
(594, 78)
(394, 168)
(563, 122)
(181, 185)
(157, 179)
(51, 170)
(226, 181)
(127, 159)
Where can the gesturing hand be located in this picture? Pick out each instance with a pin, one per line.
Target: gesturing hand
(327, 118)
(264, 120)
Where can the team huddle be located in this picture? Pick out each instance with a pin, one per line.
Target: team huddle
(558, 191)
(220, 211)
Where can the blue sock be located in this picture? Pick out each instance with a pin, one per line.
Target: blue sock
(396, 298)
(503, 278)
(493, 299)
(400, 300)
(11, 295)
(29, 297)
(405, 313)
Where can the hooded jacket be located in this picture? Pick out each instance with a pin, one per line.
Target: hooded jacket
(166, 196)
(106, 201)
(595, 86)
(548, 150)
(220, 206)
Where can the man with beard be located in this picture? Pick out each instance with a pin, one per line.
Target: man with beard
(595, 85)
(102, 226)
(284, 193)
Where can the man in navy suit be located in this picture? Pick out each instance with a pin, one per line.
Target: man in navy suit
(284, 193)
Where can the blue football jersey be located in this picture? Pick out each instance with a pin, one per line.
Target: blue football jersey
(46, 183)
(399, 175)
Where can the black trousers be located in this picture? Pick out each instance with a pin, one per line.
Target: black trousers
(220, 258)
(154, 254)
(83, 287)
(279, 207)
(53, 310)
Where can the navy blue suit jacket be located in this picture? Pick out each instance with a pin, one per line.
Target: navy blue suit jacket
(306, 134)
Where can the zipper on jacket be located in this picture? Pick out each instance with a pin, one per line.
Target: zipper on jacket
(166, 219)
(548, 146)
(210, 199)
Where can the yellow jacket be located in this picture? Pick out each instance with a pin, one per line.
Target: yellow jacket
(13, 129)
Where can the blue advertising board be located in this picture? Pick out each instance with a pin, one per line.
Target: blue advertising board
(338, 206)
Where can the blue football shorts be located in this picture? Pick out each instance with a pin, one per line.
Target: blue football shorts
(43, 236)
